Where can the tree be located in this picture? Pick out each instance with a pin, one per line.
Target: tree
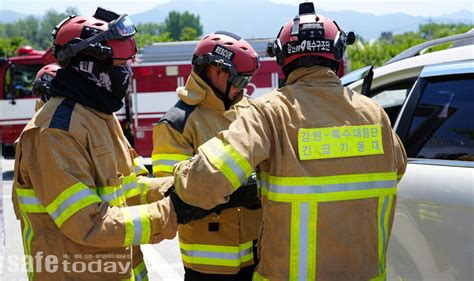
(49, 21)
(150, 28)
(147, 39)
(188, 34)
(176, 24)
(378, 52)
(8, 46)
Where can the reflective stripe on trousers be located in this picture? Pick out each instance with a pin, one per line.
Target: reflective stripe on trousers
(304, 194)
(166, 162)
(217, 255)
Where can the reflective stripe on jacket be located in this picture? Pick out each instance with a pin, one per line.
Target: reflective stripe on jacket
(196, 118)
(76, 181)
(327, 162)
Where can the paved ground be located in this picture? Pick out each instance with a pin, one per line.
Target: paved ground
(163, 260)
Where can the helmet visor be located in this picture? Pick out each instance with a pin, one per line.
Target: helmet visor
(239, 81)
(121, 28)
(124, 27)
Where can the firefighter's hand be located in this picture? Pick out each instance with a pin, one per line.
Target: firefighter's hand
(185, 212)
(245, 196)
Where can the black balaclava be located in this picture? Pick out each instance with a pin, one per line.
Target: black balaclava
(92, 82)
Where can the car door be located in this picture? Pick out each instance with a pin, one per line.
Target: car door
(432, 237)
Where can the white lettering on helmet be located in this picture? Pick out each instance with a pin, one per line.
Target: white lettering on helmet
(228, 54)
(310, 46)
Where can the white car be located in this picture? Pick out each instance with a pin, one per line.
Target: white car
(430, 100)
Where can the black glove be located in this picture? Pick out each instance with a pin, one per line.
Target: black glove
(185, 212)
(245, 196)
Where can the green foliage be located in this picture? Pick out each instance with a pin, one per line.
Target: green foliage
(179, 26)
(8, 46)
(150, 28)
(149, 33)
(377, 52)
(147, 39)
(188, 34)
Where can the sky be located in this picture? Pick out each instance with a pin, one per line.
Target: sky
(379, 7)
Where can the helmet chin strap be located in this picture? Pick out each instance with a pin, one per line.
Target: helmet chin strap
(223, 96)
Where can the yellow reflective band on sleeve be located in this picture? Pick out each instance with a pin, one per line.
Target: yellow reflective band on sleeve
(144, 185)
(232, 256)
(329, 188)
(165, 162)
(138, 166)
(338, 142)
(117, 195)
(70, 201)
(228, 161)
(128, 222)
(28, 201)
(137, 225)
(140, 272)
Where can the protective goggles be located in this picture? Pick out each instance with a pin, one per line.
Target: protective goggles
(120, 29)
(239, 81)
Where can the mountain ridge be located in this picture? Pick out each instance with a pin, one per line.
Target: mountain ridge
(252, 23)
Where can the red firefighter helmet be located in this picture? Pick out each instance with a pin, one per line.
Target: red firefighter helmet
(310, 39)
(43, 81)
(106, 35)
(230, 53)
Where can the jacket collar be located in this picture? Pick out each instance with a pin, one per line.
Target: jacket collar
(310, 75)
(198, 92)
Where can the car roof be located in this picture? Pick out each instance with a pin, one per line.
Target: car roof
(452, 68)
(411, 67)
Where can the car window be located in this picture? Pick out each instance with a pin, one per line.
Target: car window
(442, 126)
(392, 97)
(22, 77)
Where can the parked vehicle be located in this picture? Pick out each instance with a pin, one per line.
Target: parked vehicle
(430, 100)
(17, 102)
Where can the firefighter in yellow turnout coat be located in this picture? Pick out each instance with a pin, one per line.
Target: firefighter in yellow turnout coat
(327, 162)
(75, 173)
(220, 246)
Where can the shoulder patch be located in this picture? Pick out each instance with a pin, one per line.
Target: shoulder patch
(178, 115)
(62, 116)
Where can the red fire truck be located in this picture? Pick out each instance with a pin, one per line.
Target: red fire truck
(17, 103)
(157, 71)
